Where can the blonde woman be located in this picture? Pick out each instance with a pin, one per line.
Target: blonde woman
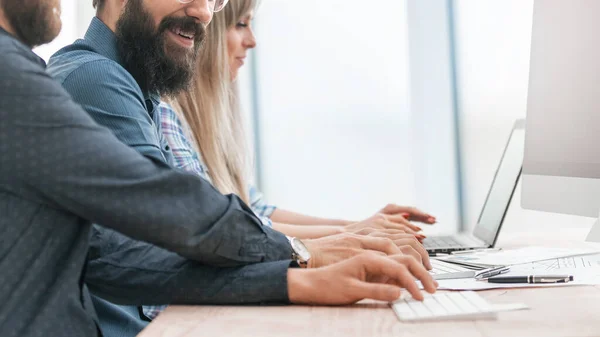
(204, 129)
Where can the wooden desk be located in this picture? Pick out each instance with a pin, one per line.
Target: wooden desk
(568, 311)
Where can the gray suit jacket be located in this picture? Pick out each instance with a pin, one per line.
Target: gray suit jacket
(60, 171)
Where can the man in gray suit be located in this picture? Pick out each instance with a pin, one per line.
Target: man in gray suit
(60, 171)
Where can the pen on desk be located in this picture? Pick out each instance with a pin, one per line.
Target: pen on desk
(487, 273)
(531, 279)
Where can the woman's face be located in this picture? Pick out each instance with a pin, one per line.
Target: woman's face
(240, 38)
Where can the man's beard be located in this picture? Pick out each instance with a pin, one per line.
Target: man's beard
(35, 22)
(143, 49)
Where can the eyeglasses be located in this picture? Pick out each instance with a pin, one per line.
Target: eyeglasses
(218, 5)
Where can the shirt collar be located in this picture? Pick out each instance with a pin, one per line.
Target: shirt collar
(104, 41)
(152, 102)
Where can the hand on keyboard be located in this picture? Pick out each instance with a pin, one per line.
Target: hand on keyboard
(365, 276)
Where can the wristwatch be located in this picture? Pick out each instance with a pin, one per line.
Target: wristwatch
(300, 253)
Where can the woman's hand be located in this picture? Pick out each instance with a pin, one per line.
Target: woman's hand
(394, 217)
(335, 248)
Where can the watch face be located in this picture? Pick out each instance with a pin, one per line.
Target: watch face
(300, 249)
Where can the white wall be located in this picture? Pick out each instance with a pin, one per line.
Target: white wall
(76, 16)
(339, 135)
(432, 113)
(335, 119)
(493, 41)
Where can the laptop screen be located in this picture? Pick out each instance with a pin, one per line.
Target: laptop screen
(503, 187)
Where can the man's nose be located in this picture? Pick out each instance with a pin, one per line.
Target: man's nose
(200, 10)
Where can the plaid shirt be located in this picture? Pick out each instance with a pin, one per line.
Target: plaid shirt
(188, 159)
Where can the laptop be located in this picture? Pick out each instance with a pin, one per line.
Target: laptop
(496, 204)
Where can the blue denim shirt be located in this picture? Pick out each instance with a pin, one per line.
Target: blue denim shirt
(91, 71)
(121, 114)
(117, 107)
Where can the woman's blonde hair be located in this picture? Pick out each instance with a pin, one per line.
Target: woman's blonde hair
(210, 108)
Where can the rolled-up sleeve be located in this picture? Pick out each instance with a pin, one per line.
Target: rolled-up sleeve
(138, 273)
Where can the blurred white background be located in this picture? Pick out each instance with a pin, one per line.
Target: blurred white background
(493, 40)
(333, 92)
(355, 106)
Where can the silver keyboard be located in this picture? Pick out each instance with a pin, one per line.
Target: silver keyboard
(441, 242)
(463, 305)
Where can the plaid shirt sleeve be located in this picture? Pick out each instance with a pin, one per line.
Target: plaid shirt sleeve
(259, 204)
(187, 158)
(151, 311)
(184, 154)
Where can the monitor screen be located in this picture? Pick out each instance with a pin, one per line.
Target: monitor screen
(563, 122)
(503, 187)
(561, 168)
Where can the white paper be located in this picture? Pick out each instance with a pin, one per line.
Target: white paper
(518, 256)
(584, 269)
(594, 235)
(445, 270)
(471, 284)
(587, 262)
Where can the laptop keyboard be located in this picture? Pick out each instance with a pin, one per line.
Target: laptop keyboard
(441, 242)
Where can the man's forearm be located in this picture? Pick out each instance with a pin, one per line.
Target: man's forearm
(138, 196)
(142, 274)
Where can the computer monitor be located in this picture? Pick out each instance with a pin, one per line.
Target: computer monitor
(561, 169)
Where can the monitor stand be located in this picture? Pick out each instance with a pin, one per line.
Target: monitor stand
(594, 235)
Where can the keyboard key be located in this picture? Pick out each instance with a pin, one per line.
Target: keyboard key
(419, 309)
(477, 301)
(441, 242)
(449, 306)
(464, 305)
(434, 307)
(403, 311)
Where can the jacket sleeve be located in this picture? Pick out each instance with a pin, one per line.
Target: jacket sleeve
(59, 156)
(137, 273)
